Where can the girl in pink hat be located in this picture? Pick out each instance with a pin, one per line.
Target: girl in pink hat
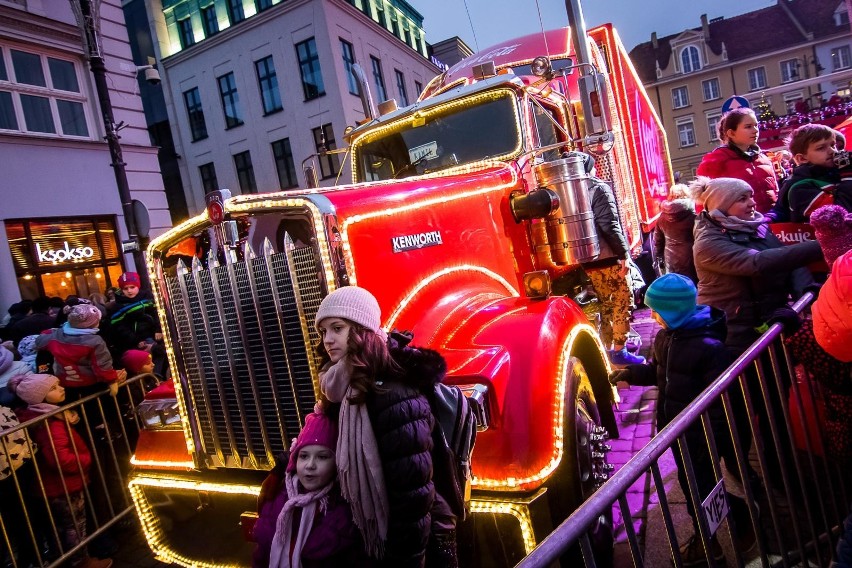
(307, 523)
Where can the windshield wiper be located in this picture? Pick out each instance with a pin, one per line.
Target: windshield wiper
(413, 165)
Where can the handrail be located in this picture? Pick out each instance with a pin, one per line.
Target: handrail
(572, 528)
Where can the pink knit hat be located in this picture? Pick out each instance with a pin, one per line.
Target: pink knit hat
(319, 430)
(129, 279)
(32, 388)
(134, 359)
(351, 303)
(833, 227)
(832, 312)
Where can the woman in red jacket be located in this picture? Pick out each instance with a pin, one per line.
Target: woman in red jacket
(742, 158)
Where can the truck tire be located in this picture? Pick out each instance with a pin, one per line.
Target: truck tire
(584, 466)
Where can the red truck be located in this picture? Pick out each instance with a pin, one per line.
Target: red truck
(462, 217)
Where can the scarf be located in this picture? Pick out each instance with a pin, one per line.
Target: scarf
(68, 330)
(279, 556)
(737, 224)
(751, 154)
(43, 408)
(359, 466)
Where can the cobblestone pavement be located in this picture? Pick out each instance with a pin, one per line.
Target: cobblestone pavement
(635, 417)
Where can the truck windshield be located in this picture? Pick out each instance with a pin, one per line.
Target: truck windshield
(467, 130)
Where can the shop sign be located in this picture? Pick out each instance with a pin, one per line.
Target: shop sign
(66, 254)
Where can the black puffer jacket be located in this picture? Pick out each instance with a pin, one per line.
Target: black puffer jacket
(130, 321)
(402, 422)
(611, 237)
(673, 237)
(685, 361)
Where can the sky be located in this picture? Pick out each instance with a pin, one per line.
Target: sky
(495, 21)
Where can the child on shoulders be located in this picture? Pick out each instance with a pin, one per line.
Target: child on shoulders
(816, 180)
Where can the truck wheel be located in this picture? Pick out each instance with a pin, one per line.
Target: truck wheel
(584, 466)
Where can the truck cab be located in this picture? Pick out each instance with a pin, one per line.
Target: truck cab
(462, 215)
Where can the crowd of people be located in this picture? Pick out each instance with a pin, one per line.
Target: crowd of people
(56, 351)
(728, 277)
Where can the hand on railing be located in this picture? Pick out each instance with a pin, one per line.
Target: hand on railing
(787, 317)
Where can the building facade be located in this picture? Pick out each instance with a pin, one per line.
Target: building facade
(796, 52)
(61, 222)
(255, 89)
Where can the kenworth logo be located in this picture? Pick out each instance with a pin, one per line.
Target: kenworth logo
(418, 241)
(64, 254)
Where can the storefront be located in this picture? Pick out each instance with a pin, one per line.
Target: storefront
(62, 256)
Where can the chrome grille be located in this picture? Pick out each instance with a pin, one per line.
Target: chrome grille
(244, 345)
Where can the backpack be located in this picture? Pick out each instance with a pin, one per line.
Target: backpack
(454, 436)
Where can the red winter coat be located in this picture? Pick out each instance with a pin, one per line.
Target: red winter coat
(80, 360)
(757, 172)
(49, 466)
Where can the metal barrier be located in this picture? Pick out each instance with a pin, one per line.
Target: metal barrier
(805, 494)
(37, 520)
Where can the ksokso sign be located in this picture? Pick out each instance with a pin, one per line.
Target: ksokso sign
(66, 254)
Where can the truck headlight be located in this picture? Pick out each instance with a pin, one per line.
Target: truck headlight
(160, 413)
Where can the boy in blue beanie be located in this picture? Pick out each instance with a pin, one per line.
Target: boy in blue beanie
(688, 354)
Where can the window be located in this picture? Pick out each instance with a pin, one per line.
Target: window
(267, 80)
(306, 53)
(680, 97)
(840, 58)
(841, 15)
(418, 86)
(230, 100)
(209, 21)
(713, 125)
(284, 163)
(789, 70)
(689, 59)
(208, 177)
(686, 132)
(324, 140)
(235, 11)
(41, 95)
(245, 172)
(756, 78)
(195, 112)
(348, 62)
(790, 100)
(711, 90)
(400, 87)
(262, 5)
(379, 79)
(187, 36)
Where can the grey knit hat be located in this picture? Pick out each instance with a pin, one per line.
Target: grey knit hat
(84, 316)
(354, 304)
(719, 193)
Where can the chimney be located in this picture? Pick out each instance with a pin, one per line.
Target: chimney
(654, 42)
(705, 26)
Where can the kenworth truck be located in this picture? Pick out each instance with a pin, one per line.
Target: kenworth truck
(462, 216)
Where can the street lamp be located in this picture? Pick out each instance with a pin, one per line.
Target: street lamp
(87, 13)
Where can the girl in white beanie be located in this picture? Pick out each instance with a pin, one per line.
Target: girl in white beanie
(384, 450)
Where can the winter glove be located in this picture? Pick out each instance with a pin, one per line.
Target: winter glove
(620, 376)
(272, 484)
(813, 289)
(787, 317)
(113, 389)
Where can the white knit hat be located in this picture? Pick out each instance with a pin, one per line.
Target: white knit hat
(718, 193)
(354, 304)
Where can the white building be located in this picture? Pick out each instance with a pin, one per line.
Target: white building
(256, 87)
(61, 221)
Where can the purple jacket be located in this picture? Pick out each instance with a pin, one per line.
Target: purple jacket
(334, 540)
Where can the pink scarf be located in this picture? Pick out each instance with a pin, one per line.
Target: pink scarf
(362, 482)
(279, 556)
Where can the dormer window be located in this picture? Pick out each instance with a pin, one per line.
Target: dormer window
(690, 59)
(841, 15)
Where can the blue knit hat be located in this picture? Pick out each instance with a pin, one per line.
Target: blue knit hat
(673, 296)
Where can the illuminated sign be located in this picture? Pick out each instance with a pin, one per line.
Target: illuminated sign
(66, 254)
